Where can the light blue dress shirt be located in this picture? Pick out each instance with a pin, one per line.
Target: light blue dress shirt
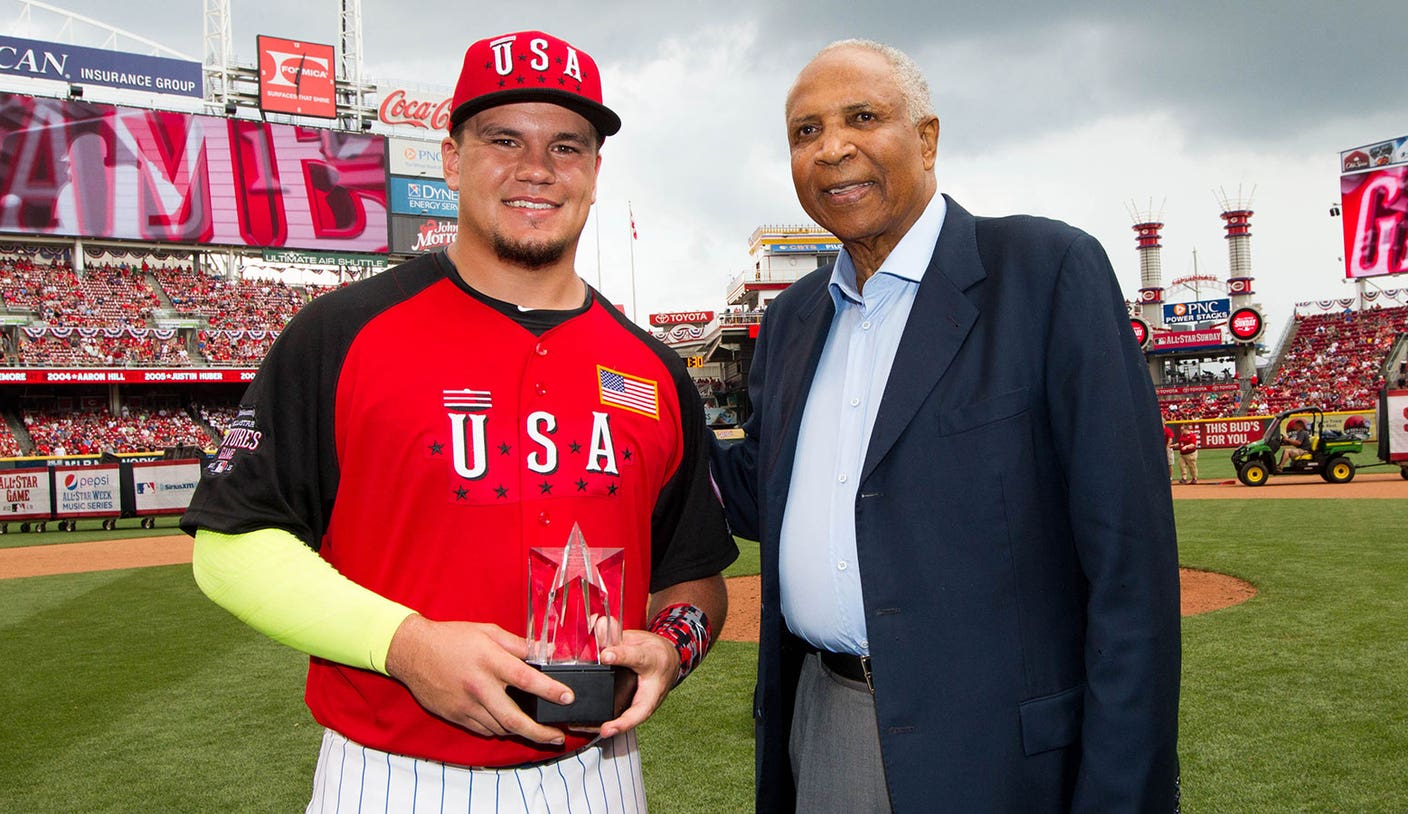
(818, 566)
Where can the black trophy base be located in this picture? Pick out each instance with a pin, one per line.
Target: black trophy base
(600, 694)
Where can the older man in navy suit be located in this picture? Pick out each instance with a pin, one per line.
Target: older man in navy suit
(970, 578)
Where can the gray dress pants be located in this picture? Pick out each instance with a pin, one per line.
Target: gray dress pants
(835, 745)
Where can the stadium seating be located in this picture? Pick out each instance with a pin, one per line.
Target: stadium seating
(1333, 361)
(1206, 405)
(218, 416)
(235, 348)
(105, 317)
(104, 296)
(69, 348)
(93, 431)
(242, 304)
(9, 444)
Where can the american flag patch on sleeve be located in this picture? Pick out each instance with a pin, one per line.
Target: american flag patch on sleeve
(628, 392)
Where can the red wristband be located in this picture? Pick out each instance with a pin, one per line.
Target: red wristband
(687, 628)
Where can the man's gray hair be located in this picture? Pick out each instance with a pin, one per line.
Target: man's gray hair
(907, 75)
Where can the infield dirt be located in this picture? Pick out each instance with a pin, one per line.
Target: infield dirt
(1202, 591)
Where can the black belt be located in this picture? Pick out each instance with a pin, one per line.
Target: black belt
(845, 665)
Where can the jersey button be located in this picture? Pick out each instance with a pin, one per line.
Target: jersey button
(540, 389)
(541, 349)
(544, 519)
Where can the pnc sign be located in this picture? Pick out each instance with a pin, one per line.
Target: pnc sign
(1199, 311)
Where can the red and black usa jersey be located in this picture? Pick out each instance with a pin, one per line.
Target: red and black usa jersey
(423, 441)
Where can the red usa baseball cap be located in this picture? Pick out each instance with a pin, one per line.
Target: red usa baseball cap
(530, 66)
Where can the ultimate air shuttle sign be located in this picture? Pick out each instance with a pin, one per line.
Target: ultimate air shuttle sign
(77, 65)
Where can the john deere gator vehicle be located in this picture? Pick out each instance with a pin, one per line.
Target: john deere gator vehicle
(1322, 452)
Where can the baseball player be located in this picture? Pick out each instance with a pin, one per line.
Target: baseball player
(411, 437)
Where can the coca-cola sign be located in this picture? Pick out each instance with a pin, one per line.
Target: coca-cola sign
(403, 107)
(682, 318)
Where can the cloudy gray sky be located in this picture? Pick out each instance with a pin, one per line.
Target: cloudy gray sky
(1072, 110)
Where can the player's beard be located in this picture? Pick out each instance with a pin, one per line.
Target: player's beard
(529, 254)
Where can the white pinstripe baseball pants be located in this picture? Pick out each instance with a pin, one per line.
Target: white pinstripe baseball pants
(604, 778)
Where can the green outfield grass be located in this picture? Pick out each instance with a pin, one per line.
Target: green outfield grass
(128, 691)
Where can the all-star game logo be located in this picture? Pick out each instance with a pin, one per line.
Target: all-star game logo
(240, 438)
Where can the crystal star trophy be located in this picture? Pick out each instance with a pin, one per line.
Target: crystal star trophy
(575, 597)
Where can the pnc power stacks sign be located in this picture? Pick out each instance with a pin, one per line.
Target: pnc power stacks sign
(1374, 203)
(296, 77)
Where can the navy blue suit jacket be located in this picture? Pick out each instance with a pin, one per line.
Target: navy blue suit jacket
(1015, 533)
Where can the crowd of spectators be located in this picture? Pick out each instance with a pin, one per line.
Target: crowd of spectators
(218, 416)
(102, 296)
(239, 304)
(75, 350)
(1202, 405)
(1334, 361)
(226, 349)
(94, 431)
(9, 444)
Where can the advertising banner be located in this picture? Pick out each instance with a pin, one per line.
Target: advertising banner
(296, 77)
(108, 375)
(682, 318)
(1374, 216)
(417, 235)
(1246, 324)
(1226, 433)
(791, 248)
(423, 196)
(1199, 311)
(100, 171)
(90, 491)
(164, 487)
(411, 157)
(1196, 389)
(1178, 340)
(77, 65)
(27, 494)
(1390, 153)
(1395, 422)
(294, 257)
(424, 110)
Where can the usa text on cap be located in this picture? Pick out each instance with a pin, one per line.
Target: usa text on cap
(531, 66)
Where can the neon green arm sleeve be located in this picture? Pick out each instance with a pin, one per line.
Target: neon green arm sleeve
(283, 589)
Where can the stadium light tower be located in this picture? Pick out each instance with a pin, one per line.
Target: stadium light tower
(354, 96)
(1237, 222)
(1148, 228)
(218, 54)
